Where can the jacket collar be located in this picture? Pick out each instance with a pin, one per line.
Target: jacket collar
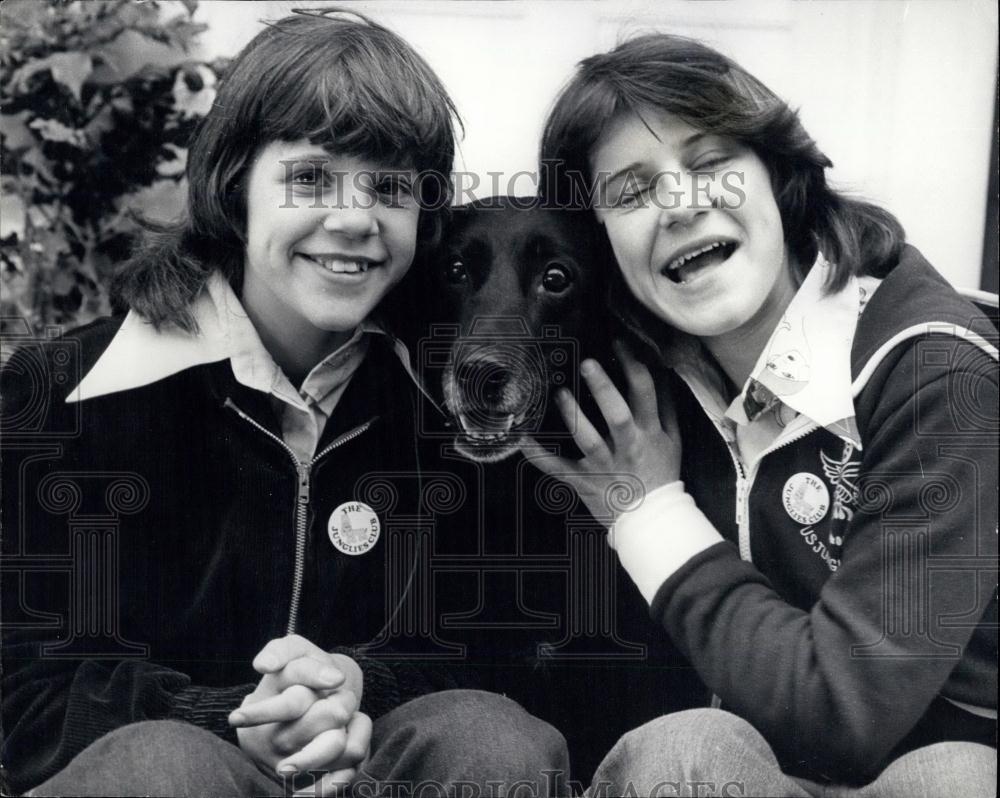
(914, 299)
(140, 355)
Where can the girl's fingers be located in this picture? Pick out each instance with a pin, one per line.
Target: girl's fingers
(320, 753)
(584, 433)
(611, 403)
(642, 389)
(544, 460)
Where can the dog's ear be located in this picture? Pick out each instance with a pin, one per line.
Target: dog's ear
(402, 309)
(417, 300)
(599, 263)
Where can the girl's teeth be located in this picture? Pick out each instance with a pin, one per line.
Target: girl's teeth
(675, 264)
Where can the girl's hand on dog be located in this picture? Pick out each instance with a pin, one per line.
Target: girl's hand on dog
(642, 453)
(303, 715)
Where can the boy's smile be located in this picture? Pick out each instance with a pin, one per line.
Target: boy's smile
(341, 264)
(327, 237)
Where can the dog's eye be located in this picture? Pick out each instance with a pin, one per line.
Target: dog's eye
(456, 273)
(556, 278)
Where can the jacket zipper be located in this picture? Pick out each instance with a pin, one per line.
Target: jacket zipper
(742, 486)
(743, 483)
(743, 499)
(741, 475)
(741, 496)
(303, 470)
(745, 480)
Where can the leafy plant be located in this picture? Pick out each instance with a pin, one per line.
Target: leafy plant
(97, 101)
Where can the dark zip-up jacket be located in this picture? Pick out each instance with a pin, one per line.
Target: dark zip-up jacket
(156, 538)
(846, 634)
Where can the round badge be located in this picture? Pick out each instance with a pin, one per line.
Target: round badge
(353, 528)
(806, 498)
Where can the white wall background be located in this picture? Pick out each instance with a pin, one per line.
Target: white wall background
(899, 93)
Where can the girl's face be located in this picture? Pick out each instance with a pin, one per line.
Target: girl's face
(694, 225)
(327, 237)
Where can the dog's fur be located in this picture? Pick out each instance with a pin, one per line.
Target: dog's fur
(522, 288)
(507, 343)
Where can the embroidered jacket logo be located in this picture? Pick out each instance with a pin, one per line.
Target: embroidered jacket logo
(843, 475)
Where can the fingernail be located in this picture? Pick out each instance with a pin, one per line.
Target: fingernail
(237, 718)
(587, 368)
(287, 770)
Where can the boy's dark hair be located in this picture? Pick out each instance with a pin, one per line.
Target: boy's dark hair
(331, 76)
(662, 72)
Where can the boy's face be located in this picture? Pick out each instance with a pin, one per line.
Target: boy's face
(327, 236)
(696, 229)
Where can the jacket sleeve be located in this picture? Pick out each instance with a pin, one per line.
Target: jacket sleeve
(836, 688)
(391, 683)
(54, 708)
(53, 704)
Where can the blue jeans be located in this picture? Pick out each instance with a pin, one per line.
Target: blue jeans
(456, 742)
(709, 752)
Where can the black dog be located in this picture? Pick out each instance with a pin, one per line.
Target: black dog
(523, 288)
(505, 308)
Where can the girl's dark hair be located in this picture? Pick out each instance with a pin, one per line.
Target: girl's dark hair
(333, 77)
(713, 93)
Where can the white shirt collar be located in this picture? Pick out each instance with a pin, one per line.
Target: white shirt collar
(139, 354)
(806, 364)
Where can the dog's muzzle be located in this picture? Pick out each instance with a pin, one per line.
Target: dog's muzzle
(495, 392)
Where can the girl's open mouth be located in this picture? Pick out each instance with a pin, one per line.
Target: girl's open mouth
(684, 268)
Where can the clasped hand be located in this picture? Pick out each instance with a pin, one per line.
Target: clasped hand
(303, 715)
(642, 453)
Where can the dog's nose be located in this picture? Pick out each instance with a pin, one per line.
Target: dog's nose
(482, 382)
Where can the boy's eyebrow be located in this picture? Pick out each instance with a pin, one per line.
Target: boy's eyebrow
(318, 154)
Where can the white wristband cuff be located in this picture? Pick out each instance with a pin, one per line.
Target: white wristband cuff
(656, 538)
